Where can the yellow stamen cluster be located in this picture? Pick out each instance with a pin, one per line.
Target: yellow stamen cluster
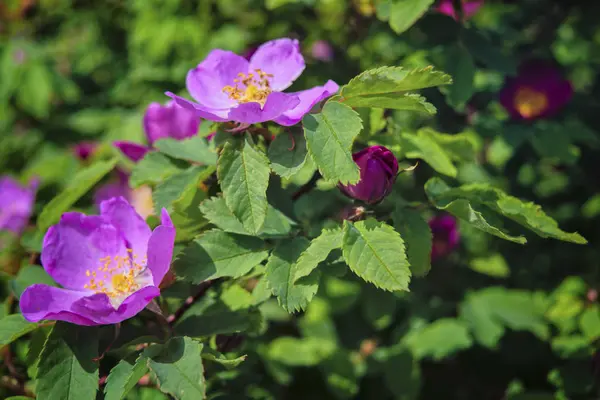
(116, 275)
(530, 103)
(253, 87)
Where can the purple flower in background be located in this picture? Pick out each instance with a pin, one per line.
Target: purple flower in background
(84, 150)
(140, 198)
(160, 122)
(227, 87)
(16, 204)
(19, 56)
(378, 171)
(322, 51)
(469, 8)
(445, 235)
(539, 90)
(109, 265)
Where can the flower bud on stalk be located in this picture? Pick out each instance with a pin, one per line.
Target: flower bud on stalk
(378, 171)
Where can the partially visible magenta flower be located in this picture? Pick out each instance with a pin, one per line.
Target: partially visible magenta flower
(140, 198)
(445, 235)
(109, 266)
(19, 56)
(538, 91)
(16, 204)
(227, 87)
(378, 171)
(84, 150)
(469, 8)
(322, 51)
(160, 122)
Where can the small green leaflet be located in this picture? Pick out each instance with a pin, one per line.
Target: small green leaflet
(317, 251)
(487, 312)
(172, 188)
(280, 271)
(244, 177)
(81, 183)
(214, 356)
(13, 327)
(287, 154)
(297, 352)
(375, 252)
(329, 137)
(67, 369)
(216, 211)
(217, 254)
(439, 339)
(178, 368)
(416, 233)
(426, 148)
(154, 168)
(461, 67)
(461, 201)
(195, 149)
(391, 87)
(123, 377)
(404, 13)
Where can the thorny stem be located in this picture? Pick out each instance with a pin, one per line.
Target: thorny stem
(176, 316)
(307, 187)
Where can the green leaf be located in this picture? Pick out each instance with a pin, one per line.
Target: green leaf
(590, 323)
(299, 352)
(178, 368)
(216, 211)
(487, 52)
(244, 177)
(153, 168)
(195, 149)
(416, 234)
(405, 385)
(13, 327)
(173, 187)
(375, 252)
(423, 146)
(29, 275)
(493, 265)
(217, 254)
(81, 183)
(461, 147)
(215, 356)
(461, 67)
(389, 87)
(280, 271)
(317, 252)
(439, 339)
(67, 369)
(35, 90)
(378, 307)
(123, 377)
(490, 310)
(404, 13)
(329, 137)
(287, 154)
(527, 214)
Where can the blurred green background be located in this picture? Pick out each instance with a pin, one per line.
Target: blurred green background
(493, 320)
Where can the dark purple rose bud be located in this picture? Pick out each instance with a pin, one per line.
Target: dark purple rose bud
(378, 170)
(445, 235)
(84, 150)
(321, 50)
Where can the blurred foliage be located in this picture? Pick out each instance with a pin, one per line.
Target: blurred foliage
(493, 320)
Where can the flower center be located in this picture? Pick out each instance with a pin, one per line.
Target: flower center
(250, 88)
(530, 103)
(118, 277)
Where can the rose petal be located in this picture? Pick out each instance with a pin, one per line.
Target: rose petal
(16, 204)
(46, 302)
(308, 99)
(134, 151)
(110, 190)
(201, 112)
(118, 212)
(282, 59)
(170, 120)
(251, 113)
(206, 82)
(160, 248)
(76, 244)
